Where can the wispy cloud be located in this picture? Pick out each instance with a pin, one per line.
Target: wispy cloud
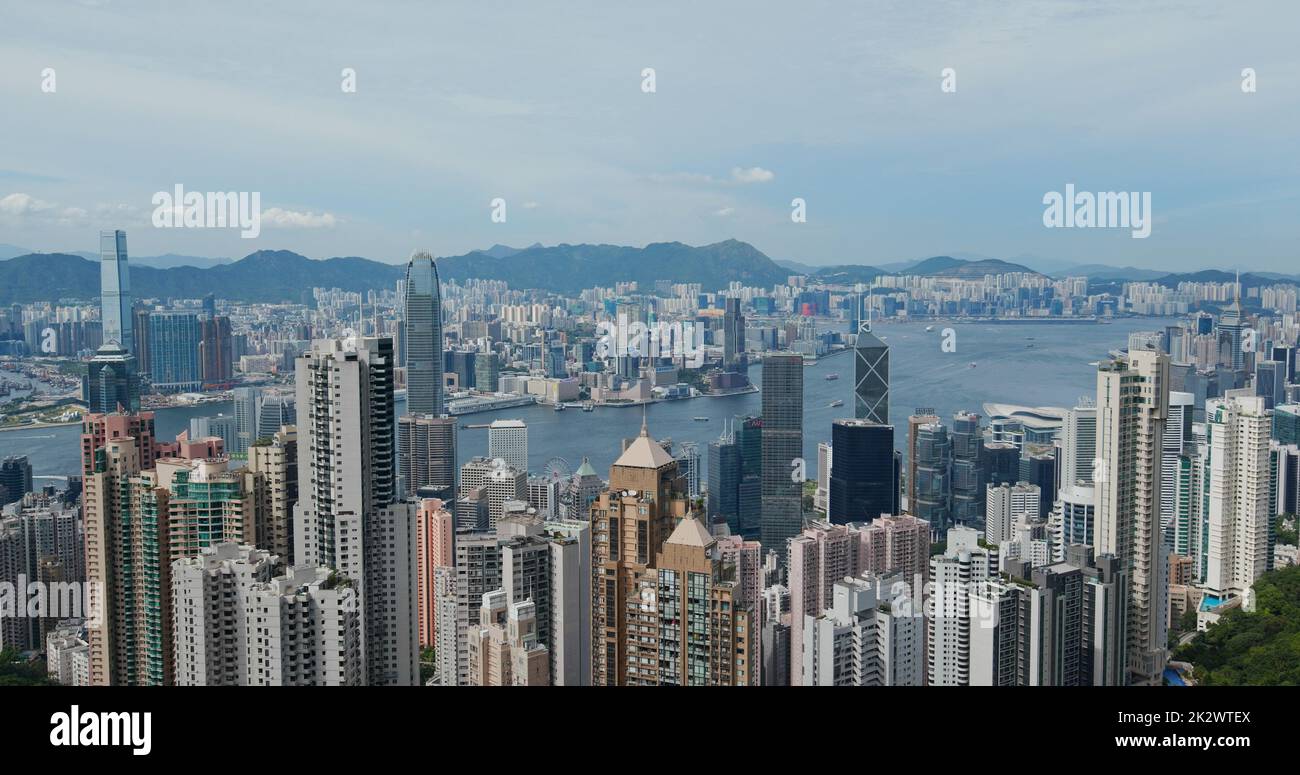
(752, 175)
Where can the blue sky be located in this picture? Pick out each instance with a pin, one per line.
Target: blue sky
(756, 103)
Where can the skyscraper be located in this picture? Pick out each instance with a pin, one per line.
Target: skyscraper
(115, 289)
(724, 482)
(933, 476)
(918, 418)
(111, 381)
(348, 517)
(1132, 407)
(1237, 519)
(782, 489)
(967, 468)
(870, 376)
(1177, 440)
(733, 336)
(427, 455)
(174, 351)
(1078, 444)
(422, 328)
(864, 477)
(508, 440)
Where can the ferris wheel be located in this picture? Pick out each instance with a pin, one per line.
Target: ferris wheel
(557, 468)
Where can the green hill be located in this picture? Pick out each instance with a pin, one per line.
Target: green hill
(1253, 649)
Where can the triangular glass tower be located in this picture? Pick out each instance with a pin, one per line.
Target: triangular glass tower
(870, 375)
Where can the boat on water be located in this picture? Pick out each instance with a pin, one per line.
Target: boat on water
(973, 364)
(588, 407)
(832, 376)
(701, 419)
(836, 402)
(559, 407)
(929, 328)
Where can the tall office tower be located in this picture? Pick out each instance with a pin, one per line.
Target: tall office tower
(111, 381)
(584, 489)
(870, 377)
(1039, 468)
(15, 479)
(503, 648)
(1174, 443)
(864, 480)
(174, 352)
(1074, 518)
(569, 545)
(274, 413)
(733, 336)
(508, 440)
(747, 559)
(869, 636)
(782, 450)
(114, 448)
(749, 437)
(629, 522)
(1001, 463)
(1010, 507)
(1238, 521)
(216, 350)
(919, 418)
(1078, 445)
(956, 575)
(221, 427)
(1182, 536)
(818, 557)
(499, 482)
(1230, 327)
(822, 497)
(426, 452)
(248, 401)
(967, 468)
(348, 517)
(724, 482)
(1132, 408)
(895, 545)
(115, 290)
(272, 476)
(238, 624)
(422, 336)
(1270, 382)
(434, 548)
(487, 371)
(933, 476)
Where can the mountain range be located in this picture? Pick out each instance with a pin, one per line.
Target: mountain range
(281, 275)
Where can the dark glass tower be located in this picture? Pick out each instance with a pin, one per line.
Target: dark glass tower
(933, 476)
(422, 330)
(724, 482)
(111, 381)
(782, 450)
(864, 479)
(967, 469)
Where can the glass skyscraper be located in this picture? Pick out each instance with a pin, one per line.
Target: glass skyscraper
(782, 450)
(115, 289)
(870, 377)
(174, 351)
(864, 478)
(422, 327)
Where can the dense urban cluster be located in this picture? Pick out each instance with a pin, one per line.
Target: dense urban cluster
(331, 530)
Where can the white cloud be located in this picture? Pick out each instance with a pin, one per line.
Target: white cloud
(724, 212)
(290, 219)
(752, 175)
(20, 205)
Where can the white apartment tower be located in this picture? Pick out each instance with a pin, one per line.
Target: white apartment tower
(348, 518)
(1132, 408)
(508, 440)
(1237, 516)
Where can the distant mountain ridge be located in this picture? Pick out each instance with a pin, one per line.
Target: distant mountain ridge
(282, 275)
